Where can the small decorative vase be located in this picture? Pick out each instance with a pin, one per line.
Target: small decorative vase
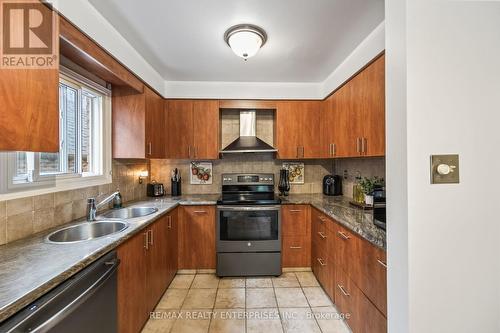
(369, 200)
(284, 183)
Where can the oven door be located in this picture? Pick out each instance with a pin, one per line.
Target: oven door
(248, 229)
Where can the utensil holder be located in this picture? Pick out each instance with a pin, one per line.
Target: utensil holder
(175, 188)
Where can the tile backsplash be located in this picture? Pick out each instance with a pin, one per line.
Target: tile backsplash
(22, 217)
(366, 166)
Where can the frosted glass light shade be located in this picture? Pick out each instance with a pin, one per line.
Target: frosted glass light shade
(245, 39)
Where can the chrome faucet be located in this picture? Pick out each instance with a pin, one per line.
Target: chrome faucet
(92, 207)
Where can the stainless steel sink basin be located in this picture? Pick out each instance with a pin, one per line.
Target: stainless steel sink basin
(86, 231)
(129, 213)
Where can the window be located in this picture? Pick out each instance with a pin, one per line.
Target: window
(84, 134)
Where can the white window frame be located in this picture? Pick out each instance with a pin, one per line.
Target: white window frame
(10, 189)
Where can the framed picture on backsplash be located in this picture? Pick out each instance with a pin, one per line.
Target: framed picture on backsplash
(296, 172)
(201, 173)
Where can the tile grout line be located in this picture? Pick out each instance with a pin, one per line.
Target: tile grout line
(307, 300)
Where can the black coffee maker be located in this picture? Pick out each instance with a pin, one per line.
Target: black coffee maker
(332, 185)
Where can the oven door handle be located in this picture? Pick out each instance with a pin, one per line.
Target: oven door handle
(249, 208)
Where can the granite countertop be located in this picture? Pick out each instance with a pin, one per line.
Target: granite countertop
(30, 267)
(355, 219)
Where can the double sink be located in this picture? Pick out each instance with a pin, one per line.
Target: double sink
(106, 225)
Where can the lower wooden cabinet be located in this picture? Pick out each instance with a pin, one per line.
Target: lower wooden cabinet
(296, 236)
(148, 265)
(197, 237)
(364, 317)
(351, 271)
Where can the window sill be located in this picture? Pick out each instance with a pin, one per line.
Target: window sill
(59, 186)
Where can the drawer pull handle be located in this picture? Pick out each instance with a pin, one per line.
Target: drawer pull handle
(321, 218)
(295, 247)
(343, 290)
(200, 211)
(343, 235)
(382, 263)
(321, 262)
(295, 211)
(322, 235)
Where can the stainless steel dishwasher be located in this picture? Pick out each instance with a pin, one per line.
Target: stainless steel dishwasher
(85, 302)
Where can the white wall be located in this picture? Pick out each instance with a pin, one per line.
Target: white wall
(452, 106)
(88, 19)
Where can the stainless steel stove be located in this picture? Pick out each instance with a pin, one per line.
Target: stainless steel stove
(248, 228)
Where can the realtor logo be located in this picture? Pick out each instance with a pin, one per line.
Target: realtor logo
(30, 35)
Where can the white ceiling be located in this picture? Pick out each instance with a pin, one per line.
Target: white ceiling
(183, 40)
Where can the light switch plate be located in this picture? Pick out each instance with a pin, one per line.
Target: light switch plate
(451, 161)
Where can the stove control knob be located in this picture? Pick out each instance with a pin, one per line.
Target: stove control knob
(249, 244)
(261, 179)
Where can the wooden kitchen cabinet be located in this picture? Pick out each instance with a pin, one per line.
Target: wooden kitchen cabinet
(197, 237)
(296, 235)
(298, 129)
(364, 316)
(144, 274)
(138, 120)
(131, 292)
(29, 108)
(354, 116)
(193, 129)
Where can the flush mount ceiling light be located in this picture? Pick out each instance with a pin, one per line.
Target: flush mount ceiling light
(245, 39)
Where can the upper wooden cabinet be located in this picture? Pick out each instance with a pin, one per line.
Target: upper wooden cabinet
(138, 124)
(298, 126)
(29, 108)
(354, 116)
(193, 129)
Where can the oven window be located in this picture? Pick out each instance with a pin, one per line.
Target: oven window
(248, 225)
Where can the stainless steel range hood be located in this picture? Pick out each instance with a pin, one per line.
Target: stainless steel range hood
(248, 142)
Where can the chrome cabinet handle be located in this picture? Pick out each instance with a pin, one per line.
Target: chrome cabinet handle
(343, 290)
(189, 151)
(364, 145)
(295, 210)
(150, 148)
(295, 247)
(358, 145)
(297, 152)
(321, 262)
(146, 240)
(150, 231)
(382, 263)
(302, 151)
(333, 149)
(200, 211)
(195, 152)
(169, 225)
(343, 235)
(322, 219)
(321, 234)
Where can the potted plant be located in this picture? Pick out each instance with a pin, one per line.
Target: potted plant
(368, 185)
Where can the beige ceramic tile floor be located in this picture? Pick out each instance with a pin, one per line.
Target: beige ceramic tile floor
(293, 302)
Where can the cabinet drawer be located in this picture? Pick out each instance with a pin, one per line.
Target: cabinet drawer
(296, 251)
(364, 264)
(318, 227)
(364, 316)
(320, 264)
(295, 220)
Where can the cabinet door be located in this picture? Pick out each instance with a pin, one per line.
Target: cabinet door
(197, 237)
(155, 129)
(172, 252)
(157, 261)
(129, 130)
(206, 129)
(310, 127)
(374, 108)
(288, 129)
(179, 128)
(365, 318)
(132, 293)
(29, 99)
(348, 130)
(328, 127)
